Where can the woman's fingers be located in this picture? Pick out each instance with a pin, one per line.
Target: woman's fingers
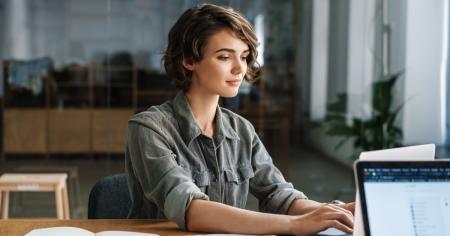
(327, 216)
(333, 212)
(338, 225)
(341, 217)
(340, 209)
(350, 207)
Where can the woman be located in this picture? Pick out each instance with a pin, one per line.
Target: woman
(196, 161)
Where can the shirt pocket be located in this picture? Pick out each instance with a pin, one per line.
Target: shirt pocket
(237, 185)
(201, 179)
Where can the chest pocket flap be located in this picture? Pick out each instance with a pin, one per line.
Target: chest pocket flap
(239, 175)
(201, 178)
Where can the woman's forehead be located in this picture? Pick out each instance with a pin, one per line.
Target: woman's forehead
(226, 39)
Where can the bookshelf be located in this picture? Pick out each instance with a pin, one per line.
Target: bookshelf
(81, 109)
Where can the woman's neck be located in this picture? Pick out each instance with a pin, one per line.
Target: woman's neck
(203, 108)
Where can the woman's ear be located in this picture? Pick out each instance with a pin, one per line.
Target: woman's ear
(188, 64)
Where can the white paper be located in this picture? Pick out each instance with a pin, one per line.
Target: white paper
(74, 231)
(58, 231)
(123, 233)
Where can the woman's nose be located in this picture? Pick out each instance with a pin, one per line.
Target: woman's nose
(238, 67)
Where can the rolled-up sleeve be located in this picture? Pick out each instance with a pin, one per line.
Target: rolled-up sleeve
(162, 180)
(275, 195)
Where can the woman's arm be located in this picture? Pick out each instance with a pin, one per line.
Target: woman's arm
(303, 206)
(214, 217)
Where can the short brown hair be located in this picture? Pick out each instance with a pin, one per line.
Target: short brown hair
(189, 36)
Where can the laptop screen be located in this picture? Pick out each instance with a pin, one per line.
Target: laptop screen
(405, 198)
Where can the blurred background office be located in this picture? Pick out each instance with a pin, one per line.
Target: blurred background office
(338, 77)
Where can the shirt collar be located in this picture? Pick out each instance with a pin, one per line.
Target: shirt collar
(188, 126)
(224, 126)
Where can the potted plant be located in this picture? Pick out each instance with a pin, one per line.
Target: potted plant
(376, 132)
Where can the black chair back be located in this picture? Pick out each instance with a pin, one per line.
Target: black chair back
(110, 198)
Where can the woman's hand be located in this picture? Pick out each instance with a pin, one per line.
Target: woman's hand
(348, 206)
(326, 216)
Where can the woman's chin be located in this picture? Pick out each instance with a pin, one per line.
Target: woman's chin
(229, 94)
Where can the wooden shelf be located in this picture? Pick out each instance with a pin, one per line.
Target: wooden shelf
(156, 93)
(114, 84)
(72, 84)
(65, 97)
(81, 123)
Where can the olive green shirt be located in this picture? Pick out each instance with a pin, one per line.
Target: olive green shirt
(170, 162)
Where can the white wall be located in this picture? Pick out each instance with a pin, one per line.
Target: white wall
(423, 115)
(359, 73)
(2, 39)
(360, 67)
(397, 22)
(19, 29)
(319, 58)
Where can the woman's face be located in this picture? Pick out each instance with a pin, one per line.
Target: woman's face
(223, 66)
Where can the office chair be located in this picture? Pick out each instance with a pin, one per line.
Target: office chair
(110, 198)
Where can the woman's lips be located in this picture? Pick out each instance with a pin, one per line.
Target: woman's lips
(234, 82)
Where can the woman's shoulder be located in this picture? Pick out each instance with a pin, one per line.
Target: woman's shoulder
(235, 120)
(154, 116)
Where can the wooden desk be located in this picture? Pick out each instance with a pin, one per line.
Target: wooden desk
(162, 227)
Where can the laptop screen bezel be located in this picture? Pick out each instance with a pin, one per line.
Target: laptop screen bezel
(359, 174)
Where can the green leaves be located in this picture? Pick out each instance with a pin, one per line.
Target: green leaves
(382, 93)
(378, 131)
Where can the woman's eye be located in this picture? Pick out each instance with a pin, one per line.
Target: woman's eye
(244, 58)
(224, 58)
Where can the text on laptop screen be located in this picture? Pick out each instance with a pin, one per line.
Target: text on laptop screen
(408, 201)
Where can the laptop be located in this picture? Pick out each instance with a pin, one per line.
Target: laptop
(424, 152)
(410, 153)
(406, 198)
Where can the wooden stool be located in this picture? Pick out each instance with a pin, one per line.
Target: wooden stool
(36, 183)
(73, 185)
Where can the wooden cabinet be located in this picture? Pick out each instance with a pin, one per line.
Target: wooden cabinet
(69, 130)
(37, 131)
(81, 110)
(109, 129)
(25, 131)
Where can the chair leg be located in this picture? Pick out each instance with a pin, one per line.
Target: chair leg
(5, 204)
(65, 197)
(59, 203)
